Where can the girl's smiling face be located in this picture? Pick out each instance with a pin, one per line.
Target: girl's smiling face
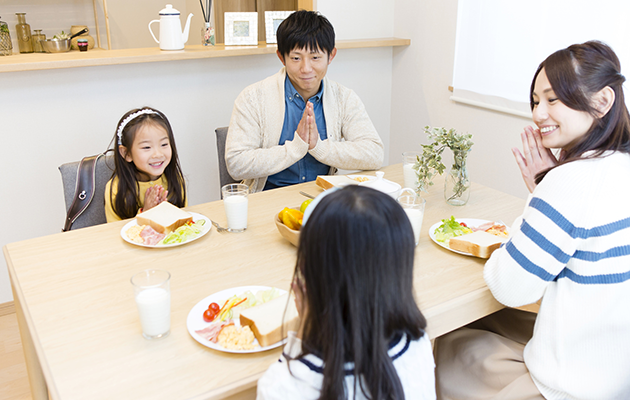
(560, 126)
(150, 151)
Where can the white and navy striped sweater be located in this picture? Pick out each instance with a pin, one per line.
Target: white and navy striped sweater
(571, 248)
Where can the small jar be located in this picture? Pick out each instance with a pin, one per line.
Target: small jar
(6, 47)
(82, 44)
(37, 36)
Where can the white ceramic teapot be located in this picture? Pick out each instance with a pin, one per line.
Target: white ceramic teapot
(171, 36)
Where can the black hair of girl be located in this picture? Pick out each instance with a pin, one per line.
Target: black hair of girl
(126, 204)
(355, 261)
(576, 74)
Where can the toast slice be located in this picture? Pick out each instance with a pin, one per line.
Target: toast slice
(164, 217)
(479, 244)
(329, 181)
(269, 322)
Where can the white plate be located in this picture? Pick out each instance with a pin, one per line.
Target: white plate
(467, 221)
(207, 227)
(195, 320)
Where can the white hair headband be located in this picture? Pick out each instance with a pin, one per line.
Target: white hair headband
(128, 119)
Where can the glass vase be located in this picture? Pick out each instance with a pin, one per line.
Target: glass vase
(457, 182)
(6, 47)
(207, 34)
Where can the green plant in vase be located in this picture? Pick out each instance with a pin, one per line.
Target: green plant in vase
(430, 163)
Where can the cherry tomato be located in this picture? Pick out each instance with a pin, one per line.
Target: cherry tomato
(214, 307)
(463, 224)
(209, 315)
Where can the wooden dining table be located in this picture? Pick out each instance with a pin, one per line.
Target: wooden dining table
(80, 327)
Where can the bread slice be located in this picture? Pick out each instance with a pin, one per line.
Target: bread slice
(164, 217)
(329, 181)
(479, 244)
(269, 322)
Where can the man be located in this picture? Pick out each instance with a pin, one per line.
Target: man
(297, 124)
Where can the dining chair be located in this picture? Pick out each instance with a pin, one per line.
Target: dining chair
(224, 175)
(94, 214)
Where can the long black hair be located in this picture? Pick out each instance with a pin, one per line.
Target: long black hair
(355, 263)
(576, 74)
(127, 201)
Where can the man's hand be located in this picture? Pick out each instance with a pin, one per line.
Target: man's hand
(154, 196)
(536, 158)
(307, 128)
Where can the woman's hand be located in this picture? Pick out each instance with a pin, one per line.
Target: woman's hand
(154, 196)
(536, 157)
(299, 290)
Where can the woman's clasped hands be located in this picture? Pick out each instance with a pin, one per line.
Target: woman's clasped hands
(535, 157)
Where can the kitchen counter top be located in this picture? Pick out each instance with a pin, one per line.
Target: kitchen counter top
(98, 57)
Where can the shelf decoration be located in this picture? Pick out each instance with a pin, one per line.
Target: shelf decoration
(273, 19)
(207, 32)
(241, 28)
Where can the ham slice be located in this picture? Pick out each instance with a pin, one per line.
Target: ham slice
(151, 236)
(482, 227)
(211, 332)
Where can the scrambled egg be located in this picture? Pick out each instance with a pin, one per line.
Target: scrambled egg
(237, 338)
(133, 233)
(361, 178)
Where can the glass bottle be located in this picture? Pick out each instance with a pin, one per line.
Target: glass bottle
(23, 31)
(207, 34)
(6, 48)
(37, 36)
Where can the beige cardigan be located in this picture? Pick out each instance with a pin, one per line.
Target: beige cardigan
(252, 152)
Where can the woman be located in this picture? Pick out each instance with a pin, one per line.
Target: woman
(570, 248)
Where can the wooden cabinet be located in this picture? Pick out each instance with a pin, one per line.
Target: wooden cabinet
(259, 6)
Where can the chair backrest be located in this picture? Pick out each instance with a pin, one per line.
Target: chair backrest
(224, 175)
(94, 214)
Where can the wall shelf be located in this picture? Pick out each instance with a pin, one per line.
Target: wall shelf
(99, 57)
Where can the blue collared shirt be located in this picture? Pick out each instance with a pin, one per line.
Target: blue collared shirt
(307, 168)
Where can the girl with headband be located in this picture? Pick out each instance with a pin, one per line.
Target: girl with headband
(147, 170)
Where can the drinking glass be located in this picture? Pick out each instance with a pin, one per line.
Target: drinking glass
(235, 203)
(153, 297)
(414, 208)
(409, 174)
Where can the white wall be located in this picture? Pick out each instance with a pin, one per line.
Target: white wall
(421, 75)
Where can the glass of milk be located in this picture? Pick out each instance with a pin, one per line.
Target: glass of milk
(414, 208)
(153, 298)
(409, 174)
(235, 203)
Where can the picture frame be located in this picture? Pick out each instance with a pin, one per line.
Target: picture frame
(241, 28)
(272, 20)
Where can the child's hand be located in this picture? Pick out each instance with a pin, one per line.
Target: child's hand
(154, 196)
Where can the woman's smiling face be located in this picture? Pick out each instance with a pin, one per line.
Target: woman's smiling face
(560, 126)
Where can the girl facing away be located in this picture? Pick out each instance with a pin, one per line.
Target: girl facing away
(361, 335)
(147, 170)
(570, 249)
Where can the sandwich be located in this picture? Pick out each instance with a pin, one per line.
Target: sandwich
(269, 321)
(479, 244)
(164, 218)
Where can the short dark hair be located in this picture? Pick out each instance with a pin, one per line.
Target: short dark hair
(355, 262)
(576, 74)
(305, 29)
